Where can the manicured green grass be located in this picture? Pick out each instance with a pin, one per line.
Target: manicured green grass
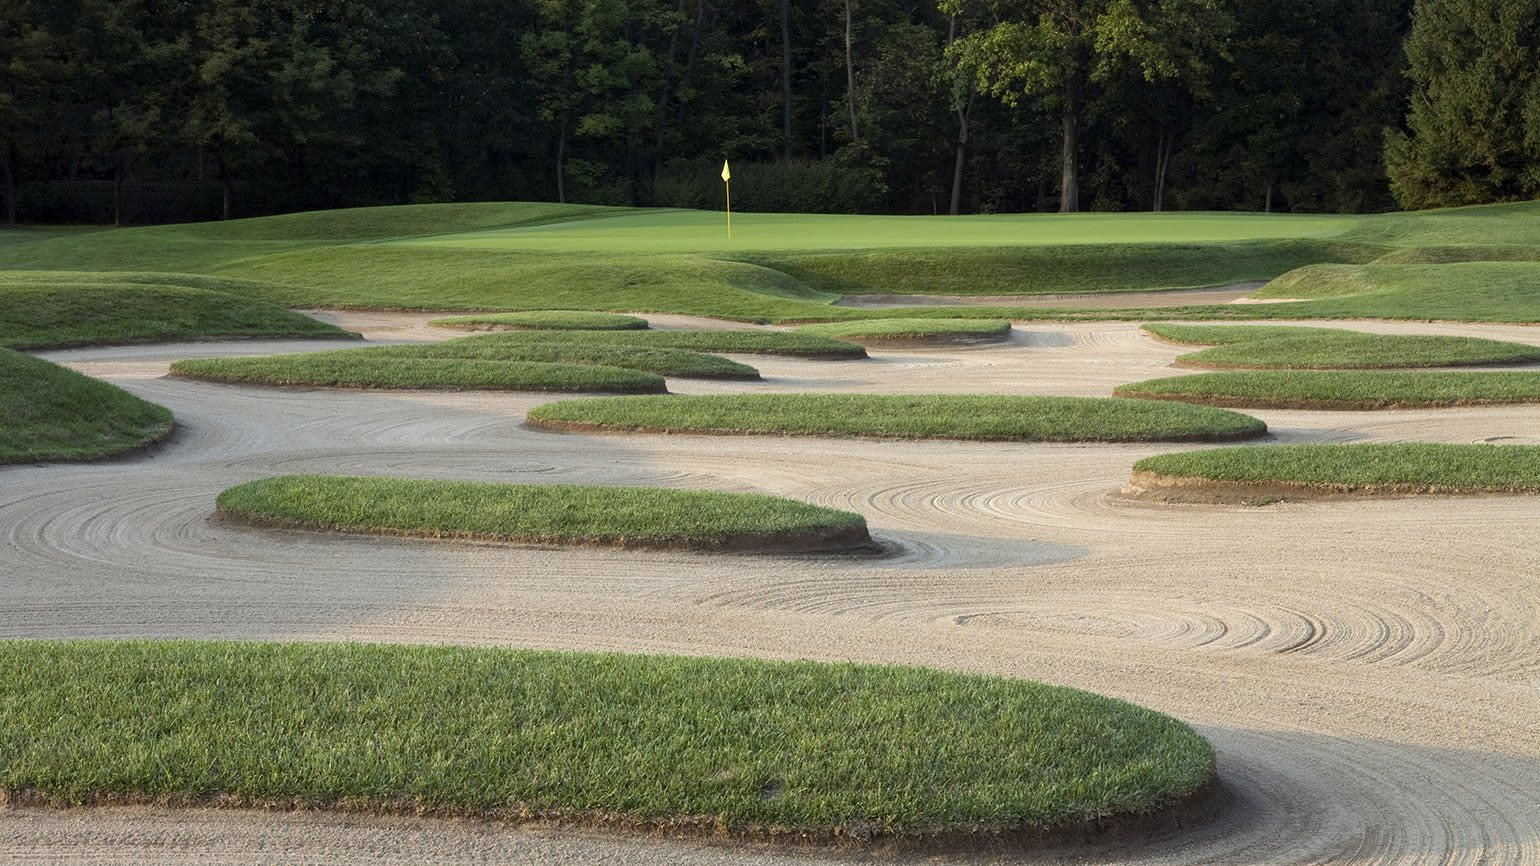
(916, 330)
(544, 514)
(791, 267)
(786, 343)
(1460, 292)
(53, 413)
(1315, 389)
(792, 749)
(546, 320)
(65, 309)
(939, 416)
(555, 348)
(1392, 467)
(373, 368)
(1296, 348)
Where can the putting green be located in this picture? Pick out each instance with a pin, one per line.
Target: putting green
(706, 231)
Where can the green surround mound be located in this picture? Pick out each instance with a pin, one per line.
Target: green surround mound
(578, 347)
(626, 517)
(53, 413)
(1268, 473)
(53, 310)
(931, 416)
(796, 752)
(735, 342)
(545, 320)
(877, 331)
(1342, 389)
(362, 368)
(1301, 348)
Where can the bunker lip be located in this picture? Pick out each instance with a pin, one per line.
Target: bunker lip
(850, 539)
(1207, 804)
(1151, 486)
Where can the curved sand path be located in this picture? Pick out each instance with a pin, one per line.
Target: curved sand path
(1369, 671)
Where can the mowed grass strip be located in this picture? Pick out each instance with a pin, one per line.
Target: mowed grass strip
(55, 310)
(1300, 348)
(634, 517)
(53, 413)
(913, 330)
(929, 416)
(787, 749)
(744, 342)
(545, 320)
(517, 346)
(361, 368)
(1401, 467)
(1344, 389)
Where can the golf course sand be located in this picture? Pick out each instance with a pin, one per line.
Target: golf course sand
(1368, 670)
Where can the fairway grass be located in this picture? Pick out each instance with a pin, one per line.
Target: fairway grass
(53, 413)
(877, 331)
(56, 310)
(628, 517)
(1298, 348)
(365, 368)
(545, 320)
(788, 751)
(934, 416)
(1403, 468)
(1346, 390)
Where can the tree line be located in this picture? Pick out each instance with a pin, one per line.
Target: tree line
(160, 110)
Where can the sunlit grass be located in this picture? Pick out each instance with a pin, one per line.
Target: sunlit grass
(53, 413)
(1299, 348)
(1322, 389)
(918, 330)
(1392, 467)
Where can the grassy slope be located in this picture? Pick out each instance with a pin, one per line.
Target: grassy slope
(52, 413)
(1402, 465)
(985, 417)
(542, 514)
(1272, 347)
(730, 745)
(1332, 389)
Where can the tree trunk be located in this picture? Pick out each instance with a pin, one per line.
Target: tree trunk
(224, 185)
(850, 75)
(1163, 147)
(962, 151)
(10, 184)
(658, 141)
(1069, 180)
(786, 79)
(561, 157)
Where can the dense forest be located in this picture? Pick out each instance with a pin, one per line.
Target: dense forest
(124, 111)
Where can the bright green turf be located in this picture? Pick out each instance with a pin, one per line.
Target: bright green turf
(733, 745)
(1318, 389)
(546, 320)
(731, 342)
(543, 514)
(557, 348)
(1401, 465)
(788, 267)
(374, 368)
(936, 330)
(940, 416)
(51, 310)
(1296, 348)
(53, 413)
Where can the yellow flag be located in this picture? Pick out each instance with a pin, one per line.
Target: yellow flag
(726, 175)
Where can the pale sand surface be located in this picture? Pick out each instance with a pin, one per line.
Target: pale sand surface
(1368, 670)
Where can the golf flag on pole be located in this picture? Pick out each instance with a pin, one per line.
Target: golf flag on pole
(727, 181)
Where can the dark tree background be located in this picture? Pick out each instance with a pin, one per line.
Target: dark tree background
(137, 111)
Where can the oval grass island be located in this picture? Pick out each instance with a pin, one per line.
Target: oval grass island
(554, 514)
(806, 753)
(925, 416)
(1342, 389)
(917, 331)
(53, 413)
(1267, 474)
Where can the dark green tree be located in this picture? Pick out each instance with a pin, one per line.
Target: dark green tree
(1473, 132)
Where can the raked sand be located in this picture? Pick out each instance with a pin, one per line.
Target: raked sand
(1369, 671)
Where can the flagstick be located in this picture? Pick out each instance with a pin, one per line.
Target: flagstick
(727, 176)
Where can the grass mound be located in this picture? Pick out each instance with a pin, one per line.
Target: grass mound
(933, 416)
(54, 413)
(632, 517)
(1297, 348)
(53, 310)
(1457, 292)
(1226, 474)
(558, 348)
(362, 368)
(913, 330)
(786, 750)
(1318, 389)
(783, 343)
(545, 320)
